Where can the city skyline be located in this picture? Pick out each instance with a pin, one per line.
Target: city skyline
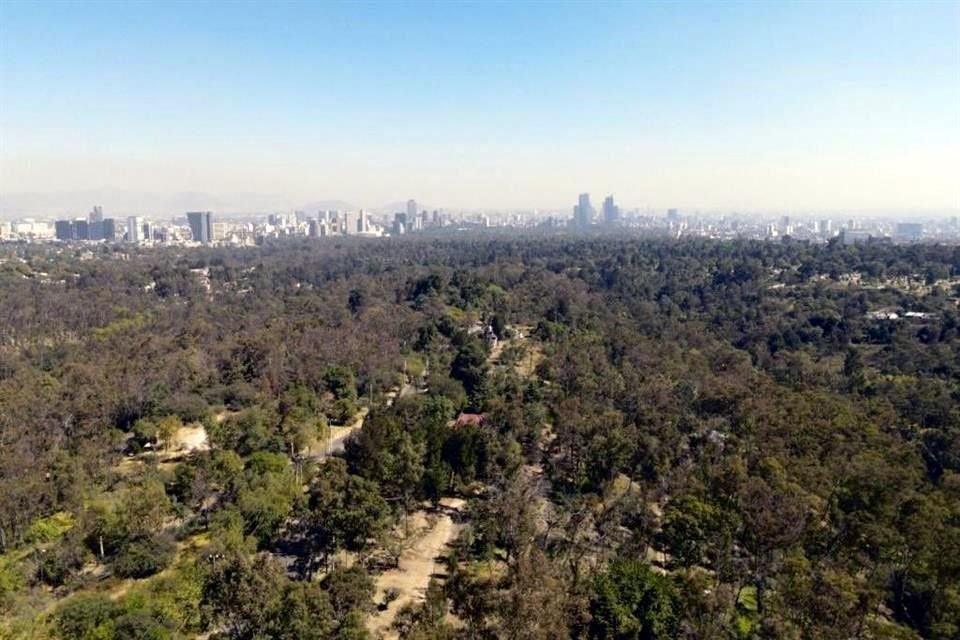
(735, 106)
(125, 202)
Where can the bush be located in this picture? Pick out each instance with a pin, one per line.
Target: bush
(188, 407)
(343, 411)
(58, 565)
(10, 582)
(140, 625)
(80, 617)
(145, 430)
(349, 589)
(142, 557)
(50, 528)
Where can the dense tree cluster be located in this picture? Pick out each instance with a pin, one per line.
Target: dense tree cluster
(655, 439)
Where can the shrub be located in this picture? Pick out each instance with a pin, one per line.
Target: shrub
(58, 565)
(10, 582)
(50, 528)
(343, 411)
(142, 557)
(80, 617)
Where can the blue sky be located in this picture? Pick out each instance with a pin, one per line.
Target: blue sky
(718, 105)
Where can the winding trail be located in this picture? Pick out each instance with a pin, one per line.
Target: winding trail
(417, 565)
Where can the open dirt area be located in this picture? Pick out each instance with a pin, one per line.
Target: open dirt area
(191, 437)
(417, 564)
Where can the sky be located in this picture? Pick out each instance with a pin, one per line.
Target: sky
(719, 105)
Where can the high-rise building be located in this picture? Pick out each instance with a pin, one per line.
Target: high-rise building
(95, 218)
(64, 230)
(201, 226)
(611, 212)
(134, 229)
(349, 222)
(411, 210)
(673, 215)
(583, 212)
(108, 230)
(911, 231)
(81, 229)
(147, 231)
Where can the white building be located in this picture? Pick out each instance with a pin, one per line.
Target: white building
(134, 229)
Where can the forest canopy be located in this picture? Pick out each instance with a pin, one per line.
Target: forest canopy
(606, 437)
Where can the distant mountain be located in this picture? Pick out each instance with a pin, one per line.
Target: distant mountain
(73, 203)
(192, 201)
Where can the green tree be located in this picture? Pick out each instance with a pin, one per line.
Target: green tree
(631, 601)
(345, 510)
(86, 616)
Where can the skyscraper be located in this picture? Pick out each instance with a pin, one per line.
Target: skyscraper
(81, 229)
(108, 230)
(611, 212)
(201, 226)
(583, 212)
(411, 210)
(64, 230)
(349, 222)
(134, 229)
(96, 214)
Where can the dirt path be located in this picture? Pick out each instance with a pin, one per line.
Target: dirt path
(338, 437)
(417, 565)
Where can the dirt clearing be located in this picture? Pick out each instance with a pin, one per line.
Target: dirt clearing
(417, 564)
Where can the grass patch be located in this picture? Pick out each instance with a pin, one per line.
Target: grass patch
(415, 365)
(51, 528)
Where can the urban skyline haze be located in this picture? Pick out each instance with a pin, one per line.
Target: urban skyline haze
(746, 106)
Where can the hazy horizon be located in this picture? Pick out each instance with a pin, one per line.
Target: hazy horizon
(120, 203)
(712, 106)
